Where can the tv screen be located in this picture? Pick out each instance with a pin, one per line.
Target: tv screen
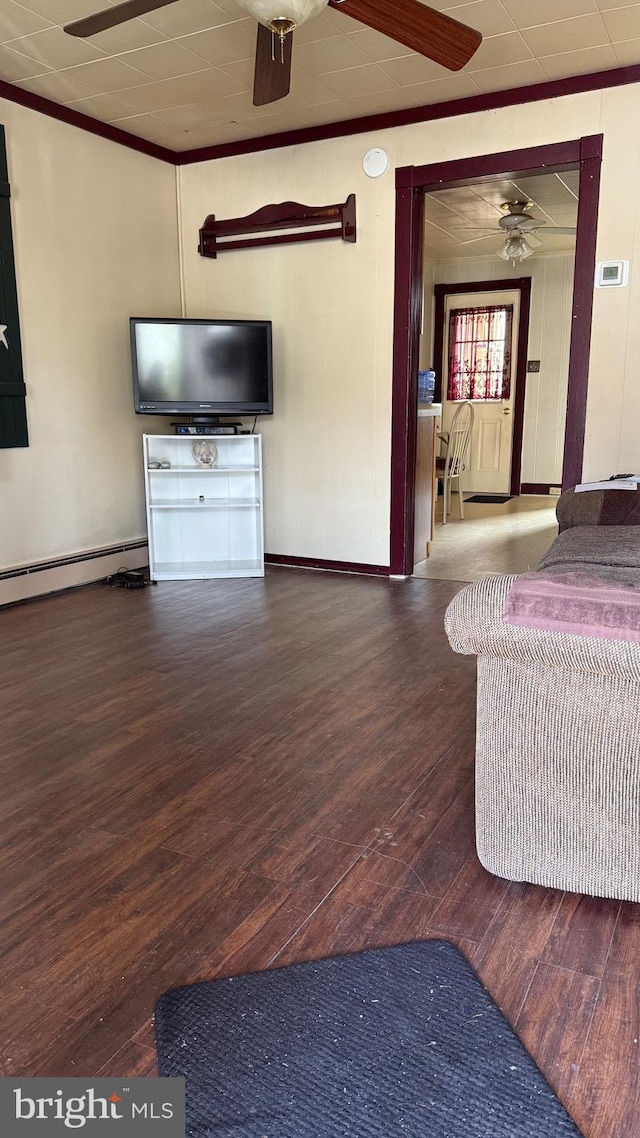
(201, 367)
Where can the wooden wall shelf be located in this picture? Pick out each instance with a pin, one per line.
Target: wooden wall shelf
(262, 226)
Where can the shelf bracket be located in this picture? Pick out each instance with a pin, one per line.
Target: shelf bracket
(262, 227)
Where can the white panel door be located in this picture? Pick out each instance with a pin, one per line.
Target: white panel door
(489, 467)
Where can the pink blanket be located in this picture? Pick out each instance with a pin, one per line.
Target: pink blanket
(581, 604)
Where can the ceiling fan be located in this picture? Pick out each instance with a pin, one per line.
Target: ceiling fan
(409, 22)
(519, 227)
(516, 219)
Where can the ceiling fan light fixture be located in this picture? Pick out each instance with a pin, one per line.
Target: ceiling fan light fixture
(283, 16)
(516, 248)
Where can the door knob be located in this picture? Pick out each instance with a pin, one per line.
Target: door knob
(506, 410)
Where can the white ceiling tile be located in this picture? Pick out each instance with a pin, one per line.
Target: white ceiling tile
(513, 75)
(242, 71)
(325, 112)
(237, 107)
(59, 86)
(320, 28)
(57, 49)
(311, 91)
(199, 138)
(413, 69)
(579, 62)
(333, 54)
(343, 24)
(182, 18)
(496, 51)
(381, 101)
(127, 37)
(14, 66)
(104, 107)
(623, 23)
(280, 120)
(144, 126)
(528, 15)
(448, 5)
(359, 81)
(628, 52)
(107, 75)
(459, 86)
(488, 17)
(163, 61)
(203, 85)
(63, 11)
(605, 5)
(233, 8)
(188, 117)
(18, 21)
(224, 44)
(566, 35)
(378, 47)
(571, 180)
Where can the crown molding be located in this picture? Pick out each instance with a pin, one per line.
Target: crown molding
(84, 122)
(473, 104)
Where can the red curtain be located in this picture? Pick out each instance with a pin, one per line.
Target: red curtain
(480, 352)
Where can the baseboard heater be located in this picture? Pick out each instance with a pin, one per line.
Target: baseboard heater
(24, 581)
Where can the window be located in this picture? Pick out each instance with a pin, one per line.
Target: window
(13, 414)
(480, 352)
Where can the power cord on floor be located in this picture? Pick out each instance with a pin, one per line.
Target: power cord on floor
(128, 579)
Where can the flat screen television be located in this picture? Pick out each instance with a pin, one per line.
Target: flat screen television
(202, 368)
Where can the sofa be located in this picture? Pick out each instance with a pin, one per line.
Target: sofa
(558, 704)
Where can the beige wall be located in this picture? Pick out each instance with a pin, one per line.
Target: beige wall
(326, 453)
(327, 449)
(549, 333)
(95, 238)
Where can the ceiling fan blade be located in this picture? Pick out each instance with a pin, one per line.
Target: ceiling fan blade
(475, 240)
(422, 29)
(272, 77)
(556, 229)
(111, 17)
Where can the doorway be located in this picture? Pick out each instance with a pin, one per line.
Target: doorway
(583, 155)
(496, 453)
(487, 324)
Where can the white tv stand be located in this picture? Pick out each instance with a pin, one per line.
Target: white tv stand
(204, 522)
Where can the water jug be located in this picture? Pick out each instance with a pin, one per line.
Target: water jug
(426, 386)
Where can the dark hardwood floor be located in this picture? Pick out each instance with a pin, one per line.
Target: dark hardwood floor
(206, 778)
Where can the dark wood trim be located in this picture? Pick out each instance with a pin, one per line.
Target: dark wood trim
(14, 431)
(539, 487)
(521, 383)
(582, 312)
(84, 122)
(409, 260)
(494, 167)
(523, 286)
(328, 566)
(583, 154)
(473, 104)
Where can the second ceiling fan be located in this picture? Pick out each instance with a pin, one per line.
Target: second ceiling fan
(409, 22)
